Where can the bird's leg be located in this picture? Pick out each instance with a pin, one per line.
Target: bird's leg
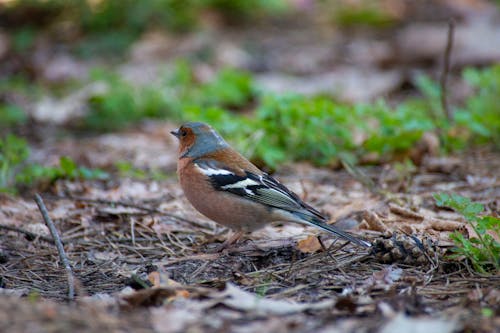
(231, 240)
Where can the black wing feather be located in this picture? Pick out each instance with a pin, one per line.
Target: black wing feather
(261, 188)
(266, 190)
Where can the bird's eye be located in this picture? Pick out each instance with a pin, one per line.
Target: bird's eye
(183, 133)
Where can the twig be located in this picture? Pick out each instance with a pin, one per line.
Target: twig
(26, 232)
(329, 254)
(132, 205)
(59, 245)
(132, 230)
(404, 212)
(446, 69)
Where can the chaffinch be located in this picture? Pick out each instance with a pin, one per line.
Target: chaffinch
(227, 188)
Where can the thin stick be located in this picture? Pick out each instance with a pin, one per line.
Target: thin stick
(59, 245)
(446, 69)
(132, 230)
(132, 205)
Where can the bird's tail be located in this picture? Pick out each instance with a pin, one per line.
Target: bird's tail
(316, 222)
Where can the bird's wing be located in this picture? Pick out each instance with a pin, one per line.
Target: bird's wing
(260, 188)
(266, 190)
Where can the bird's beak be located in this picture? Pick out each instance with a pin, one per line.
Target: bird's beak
(175, 133)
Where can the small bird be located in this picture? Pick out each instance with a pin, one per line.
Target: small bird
(227, 188)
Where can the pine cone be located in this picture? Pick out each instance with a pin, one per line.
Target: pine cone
(405, 249)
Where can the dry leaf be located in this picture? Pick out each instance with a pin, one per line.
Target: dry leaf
(236, 298)
(374, 222)
(310, 244)
(403, 323)
(154, 278)
(149, 297)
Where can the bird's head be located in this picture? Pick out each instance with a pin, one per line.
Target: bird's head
(198, 139)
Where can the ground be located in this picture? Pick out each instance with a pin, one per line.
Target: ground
(143, 260)
(123, 235)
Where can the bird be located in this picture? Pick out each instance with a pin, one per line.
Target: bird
(227, 188)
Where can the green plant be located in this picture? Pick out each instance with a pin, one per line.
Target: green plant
(123, 104)
(396, 129)
(481, 113)
(13, 89)
(11, 115)
(303, 128)
(293, 127)
(129, 19)
(482, 251)
(13, 152)
(126, 169)
(114, 109)
(477, 121)
(237, 11)
(67, 169)
(23, 39)
(15, 171)
(230, 88)
(360, 13)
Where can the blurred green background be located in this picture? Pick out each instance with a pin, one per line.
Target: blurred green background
(284, 80)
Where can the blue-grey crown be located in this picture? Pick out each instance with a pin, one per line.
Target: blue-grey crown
(207, 140)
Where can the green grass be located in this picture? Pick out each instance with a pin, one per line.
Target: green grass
(11, 115)
(292, 127)
(16, 171)
(13, 152)
(481, 113)
(124, 104)
(273, 129)
(365, 13)
(12, 89)
(126, 169)
(90, 21)
(67, 169)
(483, 251)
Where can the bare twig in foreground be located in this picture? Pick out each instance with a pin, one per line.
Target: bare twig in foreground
(59, 245)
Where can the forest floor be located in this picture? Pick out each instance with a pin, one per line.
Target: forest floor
(143, 260)
(124, 235)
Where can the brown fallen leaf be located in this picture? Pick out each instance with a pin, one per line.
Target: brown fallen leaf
(154, 278)
(405, 212)
(310, 244)
(441, 225)
(161, 280)
(148, 297)
(374, 222)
